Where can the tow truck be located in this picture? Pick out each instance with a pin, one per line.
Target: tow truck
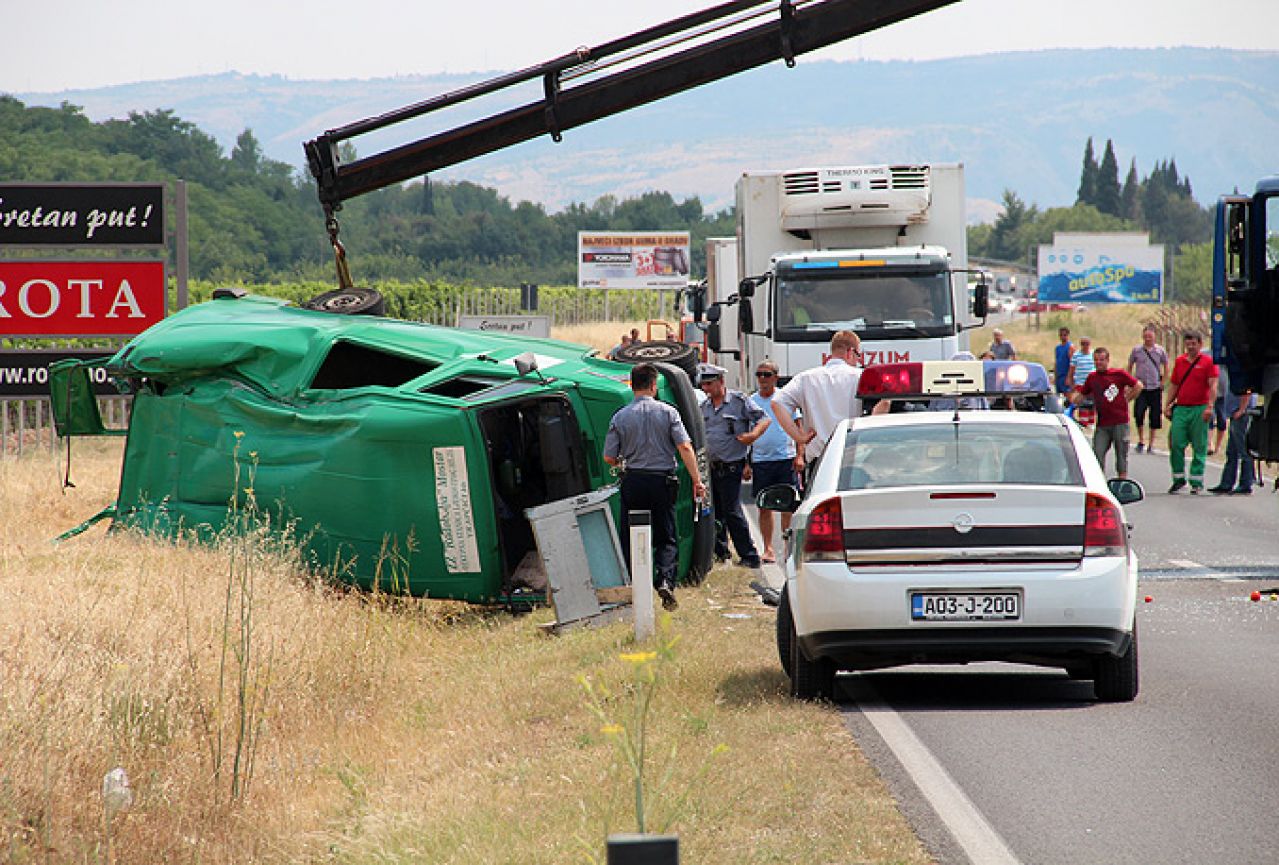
(1245, 304)
(411, 453)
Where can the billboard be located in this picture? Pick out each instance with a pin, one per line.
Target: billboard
(80, 298)
(82, 215)
(1101, 268)
(25, 373)
(632, 259)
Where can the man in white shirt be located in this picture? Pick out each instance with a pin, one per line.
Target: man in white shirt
(824, 395)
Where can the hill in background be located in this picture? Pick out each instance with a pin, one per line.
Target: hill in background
(1018, 121)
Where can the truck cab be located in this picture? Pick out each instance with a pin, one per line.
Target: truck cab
(1245, 304)
(880, 250)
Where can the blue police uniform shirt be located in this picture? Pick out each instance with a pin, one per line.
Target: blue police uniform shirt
(735, 415)
(774, 444)
(645, 435)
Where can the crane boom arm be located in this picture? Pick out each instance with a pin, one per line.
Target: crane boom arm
(790, 28)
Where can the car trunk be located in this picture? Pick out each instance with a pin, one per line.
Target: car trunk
(993, 525)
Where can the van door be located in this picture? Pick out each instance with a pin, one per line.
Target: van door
(536, 455)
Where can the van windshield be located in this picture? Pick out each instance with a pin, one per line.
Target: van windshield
(878, 303)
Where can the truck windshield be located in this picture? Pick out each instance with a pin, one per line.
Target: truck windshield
(877, 304)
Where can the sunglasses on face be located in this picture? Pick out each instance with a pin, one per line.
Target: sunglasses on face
(764, 374)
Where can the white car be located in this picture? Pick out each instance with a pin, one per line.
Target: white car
(957, 535)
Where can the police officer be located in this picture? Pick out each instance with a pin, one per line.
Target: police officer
(733, 423)
(643, 439)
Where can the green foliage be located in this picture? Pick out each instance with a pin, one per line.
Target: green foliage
(1108, 192)
(1088, 177)
(1161, 204)
(253, 219)
(1006, 240)
(1192, 274)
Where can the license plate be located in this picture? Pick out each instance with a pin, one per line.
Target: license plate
(1000, 606)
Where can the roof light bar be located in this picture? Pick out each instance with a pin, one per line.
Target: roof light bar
(951, 378)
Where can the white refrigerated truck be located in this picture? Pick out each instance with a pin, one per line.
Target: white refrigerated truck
(881, 250)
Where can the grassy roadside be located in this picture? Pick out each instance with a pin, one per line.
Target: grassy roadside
(264, 717)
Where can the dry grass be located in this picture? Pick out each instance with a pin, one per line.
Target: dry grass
(388, 731)
(1116, 327)
(605, 335)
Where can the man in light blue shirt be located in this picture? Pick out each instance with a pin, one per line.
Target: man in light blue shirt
(773, 458)
(1081, 366)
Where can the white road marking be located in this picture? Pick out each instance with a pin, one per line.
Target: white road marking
(966, 824)
(1186, 563)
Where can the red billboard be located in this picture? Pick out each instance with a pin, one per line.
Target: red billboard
(80, 298)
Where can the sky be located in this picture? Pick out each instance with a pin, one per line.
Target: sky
(55, 45)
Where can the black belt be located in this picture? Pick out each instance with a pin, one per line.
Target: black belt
(722, 463)
(657, 473)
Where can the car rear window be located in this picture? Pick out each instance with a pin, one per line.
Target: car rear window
(958, 453)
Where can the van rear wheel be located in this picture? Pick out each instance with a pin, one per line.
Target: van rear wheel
(1115, 680)
(349, 301)
(677, 354)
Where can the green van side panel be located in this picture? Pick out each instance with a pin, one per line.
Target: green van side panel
(357, 475)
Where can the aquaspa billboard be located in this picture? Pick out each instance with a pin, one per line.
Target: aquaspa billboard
(1101, 268)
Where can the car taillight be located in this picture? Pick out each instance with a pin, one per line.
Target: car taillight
(1104, 530)
(824, 534)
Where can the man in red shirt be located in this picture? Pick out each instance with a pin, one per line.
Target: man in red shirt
(1111, 391)
(1190, 398)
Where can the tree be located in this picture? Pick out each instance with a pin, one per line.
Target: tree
(1088, 177)
(1191, 277)
(1130, 196)
(247, 153)
(1006, 242)
(1107, 193)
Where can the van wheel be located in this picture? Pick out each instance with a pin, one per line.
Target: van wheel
(784, 631)
(678, 354)
(1115, 679)
(349, 301)
(809, 680)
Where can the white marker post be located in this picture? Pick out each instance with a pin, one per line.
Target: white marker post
(641, 529)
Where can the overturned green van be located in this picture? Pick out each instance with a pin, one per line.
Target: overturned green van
(364, 435)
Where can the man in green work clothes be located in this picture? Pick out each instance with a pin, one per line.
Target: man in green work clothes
(1189, 406)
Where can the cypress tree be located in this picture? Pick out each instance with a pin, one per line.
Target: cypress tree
(1088, 177)
(1108, 182)
(1130, 197)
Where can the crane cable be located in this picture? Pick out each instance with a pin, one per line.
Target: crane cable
(339, 251)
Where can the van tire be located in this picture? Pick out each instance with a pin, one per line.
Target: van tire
(690, 412)
(679, 354)
(785, 632)
(349, 301)
(1115, 680)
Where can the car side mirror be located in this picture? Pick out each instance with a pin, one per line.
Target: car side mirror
(713, 314)
(780, 497)
(1125, 490)
(746, 288)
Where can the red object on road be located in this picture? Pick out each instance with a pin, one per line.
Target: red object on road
(1256, 596)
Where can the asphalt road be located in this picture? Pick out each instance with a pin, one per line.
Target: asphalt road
(999, 763)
